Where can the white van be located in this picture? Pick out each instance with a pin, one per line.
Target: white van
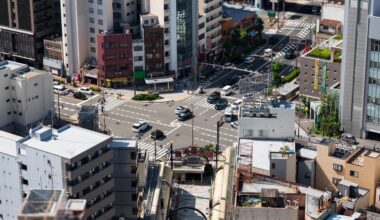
(227, 90)
(140, 126)
(59, 89)
(268, 52)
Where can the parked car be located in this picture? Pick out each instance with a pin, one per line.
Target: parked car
(213, 97)
(268, 52)
(229, 64)
(235, 124)
(289, 53)
(249, 59)
(86, 91)
(226, 91)
(349, 138)
(59, 89)
(157, 134)
(236, 103)
(179, 109)
(140, 126)
(79, 95)
(221, 104)
(185, 115)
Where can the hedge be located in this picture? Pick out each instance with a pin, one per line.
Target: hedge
(291, 76)
(146, 97)
(320, 53)
(95, 88)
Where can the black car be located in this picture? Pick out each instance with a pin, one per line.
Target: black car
(289, 54)
(230, 81)
(79, 95)
(213, 97)
(221, 104)
(185, 115)
(157, 134)
(272, 39)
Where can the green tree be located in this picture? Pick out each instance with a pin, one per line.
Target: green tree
(259, 26)
(328, 120)
(276, 77)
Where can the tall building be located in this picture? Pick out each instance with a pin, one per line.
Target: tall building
(86, 164)
(23, 25)
(212, 11)
(359, 99)
(26, 96)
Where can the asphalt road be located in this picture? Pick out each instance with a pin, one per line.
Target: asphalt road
(122, 114)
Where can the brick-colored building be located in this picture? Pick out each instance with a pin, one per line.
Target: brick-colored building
(115, 59)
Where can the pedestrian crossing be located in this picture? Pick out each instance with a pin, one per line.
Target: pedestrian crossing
(161, 152)
(298, 24)
(199, 101)
(112, 102)
(302, 34)
(284, 50)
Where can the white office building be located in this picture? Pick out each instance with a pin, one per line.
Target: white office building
(212, 11)
(26, 96)
(82, 162)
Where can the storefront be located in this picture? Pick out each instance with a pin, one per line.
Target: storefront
(161, 84)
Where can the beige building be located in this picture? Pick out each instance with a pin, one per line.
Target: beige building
(337, 162)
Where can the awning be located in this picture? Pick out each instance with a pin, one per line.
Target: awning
(119, 79)
(159, 80)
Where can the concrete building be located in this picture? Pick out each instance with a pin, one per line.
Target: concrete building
(306, 162)
(53, 56)
(23, 26)
(26, 97)
(51, 205)
(359, 110)
(326, 28)
(115, 59)
(319, 73)
(96, 168)
(212, 11)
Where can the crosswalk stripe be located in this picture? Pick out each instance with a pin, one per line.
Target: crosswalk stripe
(112, 102)
(150, 149)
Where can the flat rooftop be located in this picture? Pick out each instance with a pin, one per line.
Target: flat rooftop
(122, 143)
(68, 141)
(261, 151)
(12, 65)
(192, 195)
(42, 202)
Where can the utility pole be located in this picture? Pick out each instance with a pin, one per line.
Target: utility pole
(59, 110)
(155, 148)
(171, 154)
(192, 126)
(218, 125)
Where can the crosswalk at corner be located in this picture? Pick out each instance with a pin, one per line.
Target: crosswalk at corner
(112, 102)
(283, 51)
(200, 101)
(150, 150)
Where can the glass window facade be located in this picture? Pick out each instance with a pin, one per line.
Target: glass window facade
(184, 18)
(373, 99)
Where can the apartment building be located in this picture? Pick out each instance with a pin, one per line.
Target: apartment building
(212, 11)
(53, 56)
(51, 205)
(82, 21)
(319, 73)
(86, 164)
(359, 109)
(337, 162)
(115, 59)
(23, 26)
(26, 96)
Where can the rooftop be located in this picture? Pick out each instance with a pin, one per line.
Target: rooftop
(307, 153)
(262, 108)
(123, 143)
(287, 88)
(68, 141)
(358, 158)
(12, 65)
(42, 201)
(331, 48)
(261, 151)
(330, 23)
(8, 146)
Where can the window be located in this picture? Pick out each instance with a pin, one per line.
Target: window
(91, 10)
(24, 181)
(100, 2)
(35, 84)
(93, 50)
(133, 169)
(134, 197)
(7, 87)
(24, 167)
(354, 173)
(133, 183)
(5, 75)
(273, 166)
(134, 211)
(247, 132)
(92, 39)
(100, 12)
(92, 30)
(100, 21)
(92, 20)
(263, 133)
(337, 167)
(133, 155)
(90, 1)
(137, 48)
(335, 180)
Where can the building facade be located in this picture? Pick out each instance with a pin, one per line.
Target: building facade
(53, 56)
(26, 96)
(359, 109)
(23, 26)
(115, 59)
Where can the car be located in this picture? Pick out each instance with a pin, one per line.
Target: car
(230, 81)
(140, 126)
(157, 135)
(235, 124)
(236, 103)
(179, 109)
(289, 54)
(79, 95)
(185, 115)
(228, 64)
(221, 104)
(349, 138)
(268, 52)
(272, 39)
(249, 59)
(56, 83)
(86, 91)
(60, 89)
(213, 97)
